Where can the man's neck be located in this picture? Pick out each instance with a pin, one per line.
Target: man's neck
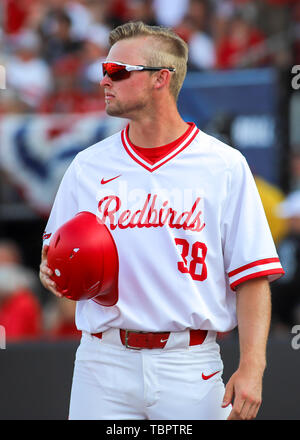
(157, 131)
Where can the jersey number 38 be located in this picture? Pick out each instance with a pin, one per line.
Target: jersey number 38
(196, 256)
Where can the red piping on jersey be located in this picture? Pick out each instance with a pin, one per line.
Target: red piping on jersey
(129, 147)
(257, 275)
(254, 263)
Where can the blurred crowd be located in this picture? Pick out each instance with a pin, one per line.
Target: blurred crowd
(51, 48)
(52, 51)
(27, 312)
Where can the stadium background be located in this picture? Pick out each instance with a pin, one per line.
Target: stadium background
(238, 88)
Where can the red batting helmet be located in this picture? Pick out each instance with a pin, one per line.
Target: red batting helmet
(84, 259)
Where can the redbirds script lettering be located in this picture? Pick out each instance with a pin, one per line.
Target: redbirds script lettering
(150, 216)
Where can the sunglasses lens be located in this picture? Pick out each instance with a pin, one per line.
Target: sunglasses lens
(115, 71)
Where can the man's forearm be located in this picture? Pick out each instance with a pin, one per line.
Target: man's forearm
(254, 316)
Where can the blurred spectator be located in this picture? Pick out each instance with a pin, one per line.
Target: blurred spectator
(116, 11)
(80, 17)
(61, 320)
(101, 12)
(15, 15)
(22, 314)
(286, 291)
(9, 253)
(199, 11)
(20, 311)
(95, 49)
(68, 96)
(194, 30)
(140, 10)
(275, 19)
(27, 73)
(223, 12)
(56, 30)
(241, 37)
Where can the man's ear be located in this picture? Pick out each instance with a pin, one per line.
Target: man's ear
(162, 79)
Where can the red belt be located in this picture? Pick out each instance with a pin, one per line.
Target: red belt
(137, 340)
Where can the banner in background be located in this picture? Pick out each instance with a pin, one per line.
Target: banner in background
(36, 150)
(241, 108)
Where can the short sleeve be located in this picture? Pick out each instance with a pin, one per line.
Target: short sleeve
(248, 246)
(65, 205)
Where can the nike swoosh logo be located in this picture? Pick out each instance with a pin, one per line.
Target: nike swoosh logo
(209, 376)
(103, 182)
(164, 340)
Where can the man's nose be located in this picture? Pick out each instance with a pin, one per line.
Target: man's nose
(105, 81)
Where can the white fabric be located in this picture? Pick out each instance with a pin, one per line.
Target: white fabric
(31, 79)
(202, 51)
(179, 268)
(170, 12)
(81, 19)
(112, 382)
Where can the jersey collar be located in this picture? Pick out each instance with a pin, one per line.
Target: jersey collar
(141, 160)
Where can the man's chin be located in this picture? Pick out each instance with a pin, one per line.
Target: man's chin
(113, 112)
(117, 114)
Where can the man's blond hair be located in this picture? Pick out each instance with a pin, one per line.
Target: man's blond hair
(167, 50)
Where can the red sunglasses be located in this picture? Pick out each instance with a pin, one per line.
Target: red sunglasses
(120, 71)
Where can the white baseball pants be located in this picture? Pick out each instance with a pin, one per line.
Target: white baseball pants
(112, 382)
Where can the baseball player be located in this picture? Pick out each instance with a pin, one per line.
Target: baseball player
(194, 248)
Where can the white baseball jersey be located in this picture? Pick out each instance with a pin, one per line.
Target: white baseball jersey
(189, 229)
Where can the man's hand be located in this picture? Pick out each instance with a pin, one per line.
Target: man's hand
(244, 391)
(46, 273)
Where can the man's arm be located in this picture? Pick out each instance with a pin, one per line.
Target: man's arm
(254, 315)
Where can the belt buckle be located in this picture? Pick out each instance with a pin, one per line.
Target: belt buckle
(126, 339)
